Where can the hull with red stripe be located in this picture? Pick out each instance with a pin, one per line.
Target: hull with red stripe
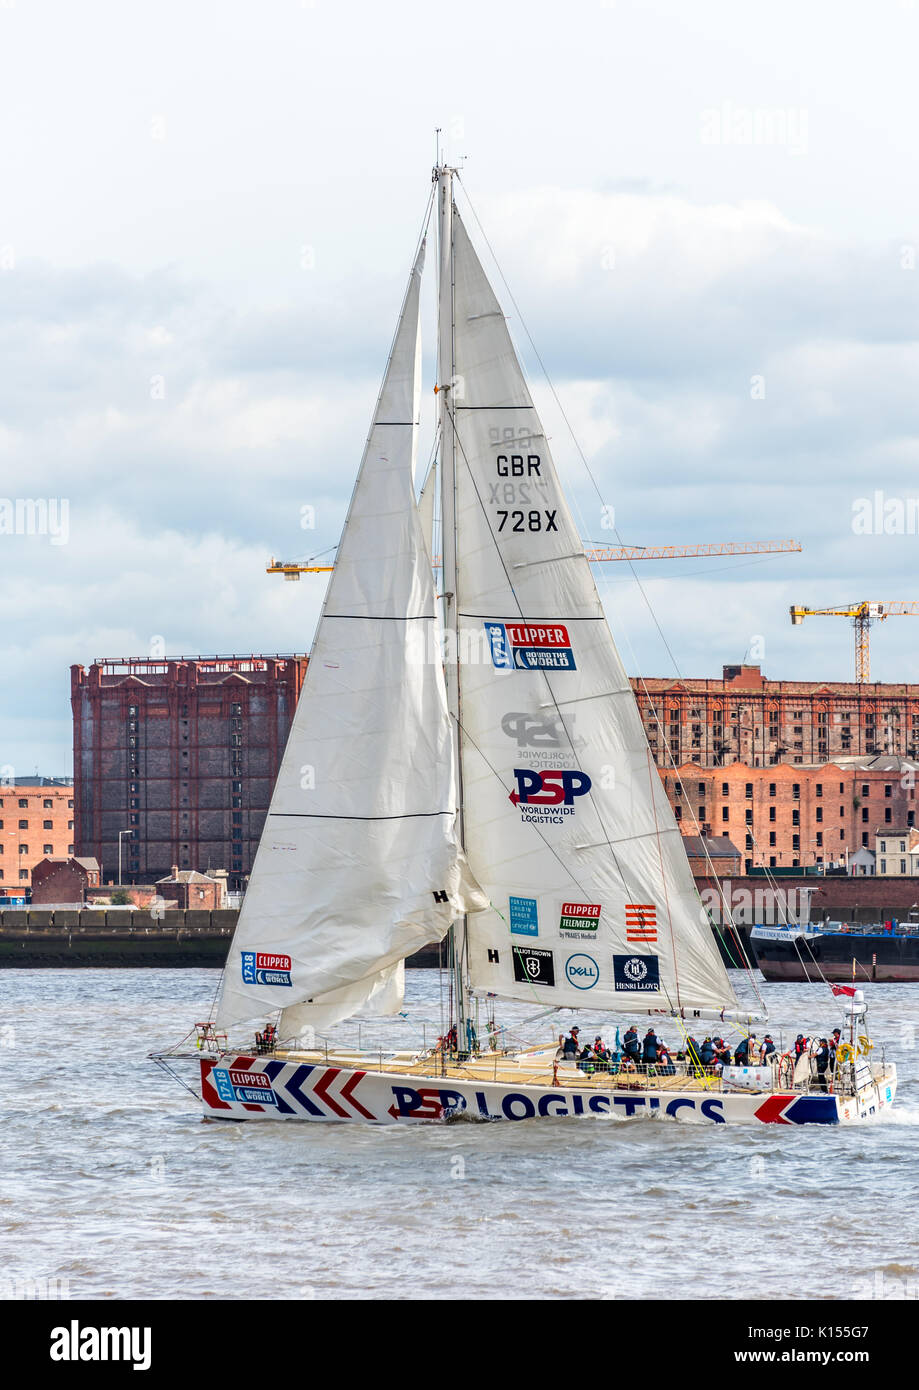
(246, 1088)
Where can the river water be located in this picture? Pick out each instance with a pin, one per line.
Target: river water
(112, 1186)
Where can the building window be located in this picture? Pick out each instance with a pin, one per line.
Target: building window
(47, 825)
(796, 817)
(772, 837)
(883, 866)
(23, 803)
(23, 849)
(820, 838)
(70, 825)
(865, 789)
(238, 817)
(902, 866)
(23, 873)
(864, 815)
(47, 849)
(725, 813)
(48, 804)
(23, 825)
(772, 789)
(772, 861)
(236, 709)
(772, 814)
(819, 789)
(888, 815)
(888, 789)
(748, 817)
(796, 842)
(796, 791)
(902, 846)
(725, 789)
(748, 791)
(819, 814)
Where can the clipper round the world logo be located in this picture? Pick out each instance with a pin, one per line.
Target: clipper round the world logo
(530, 647)
(262, 968)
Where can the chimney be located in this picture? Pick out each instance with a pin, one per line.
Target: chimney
(175, 871)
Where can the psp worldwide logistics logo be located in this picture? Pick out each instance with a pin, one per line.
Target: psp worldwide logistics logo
(545, 797)
(262, 968)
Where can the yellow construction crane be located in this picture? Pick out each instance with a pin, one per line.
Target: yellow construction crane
(862, 615)
(291, 570)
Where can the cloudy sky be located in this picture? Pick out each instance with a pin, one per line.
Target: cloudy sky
(708, 214)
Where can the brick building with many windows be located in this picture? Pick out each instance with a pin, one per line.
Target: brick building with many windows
(745, 718)
(36, 822)
(795, 817)
(175, 760)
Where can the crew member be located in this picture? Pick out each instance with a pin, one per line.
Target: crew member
(822, 1059)
(630, 1045)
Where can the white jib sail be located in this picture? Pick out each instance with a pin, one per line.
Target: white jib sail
(567, 826)
(358, 864)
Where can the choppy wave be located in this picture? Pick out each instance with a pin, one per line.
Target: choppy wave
(112, 1182)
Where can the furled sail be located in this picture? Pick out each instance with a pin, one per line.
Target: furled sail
(359, 864)
(566, 823)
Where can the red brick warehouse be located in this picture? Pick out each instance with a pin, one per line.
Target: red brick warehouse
(181, 754)
(746, 718)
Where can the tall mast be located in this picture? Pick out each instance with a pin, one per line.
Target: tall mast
(446, 372)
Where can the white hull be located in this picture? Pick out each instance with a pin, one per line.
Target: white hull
(247, 1088)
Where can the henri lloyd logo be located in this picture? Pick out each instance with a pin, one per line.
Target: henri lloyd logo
(546, 797)
(260, 968)
(636, 973)
(530, 647)
(579, 920)
(533, 967)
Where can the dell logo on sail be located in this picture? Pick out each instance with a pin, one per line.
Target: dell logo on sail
(581, 971)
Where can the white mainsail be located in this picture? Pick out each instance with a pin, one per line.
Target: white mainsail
(359, 864)
(566, 823)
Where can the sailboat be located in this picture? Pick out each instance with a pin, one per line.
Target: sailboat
(471, 768)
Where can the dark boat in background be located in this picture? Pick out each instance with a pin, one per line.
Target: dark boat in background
(887, 952)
